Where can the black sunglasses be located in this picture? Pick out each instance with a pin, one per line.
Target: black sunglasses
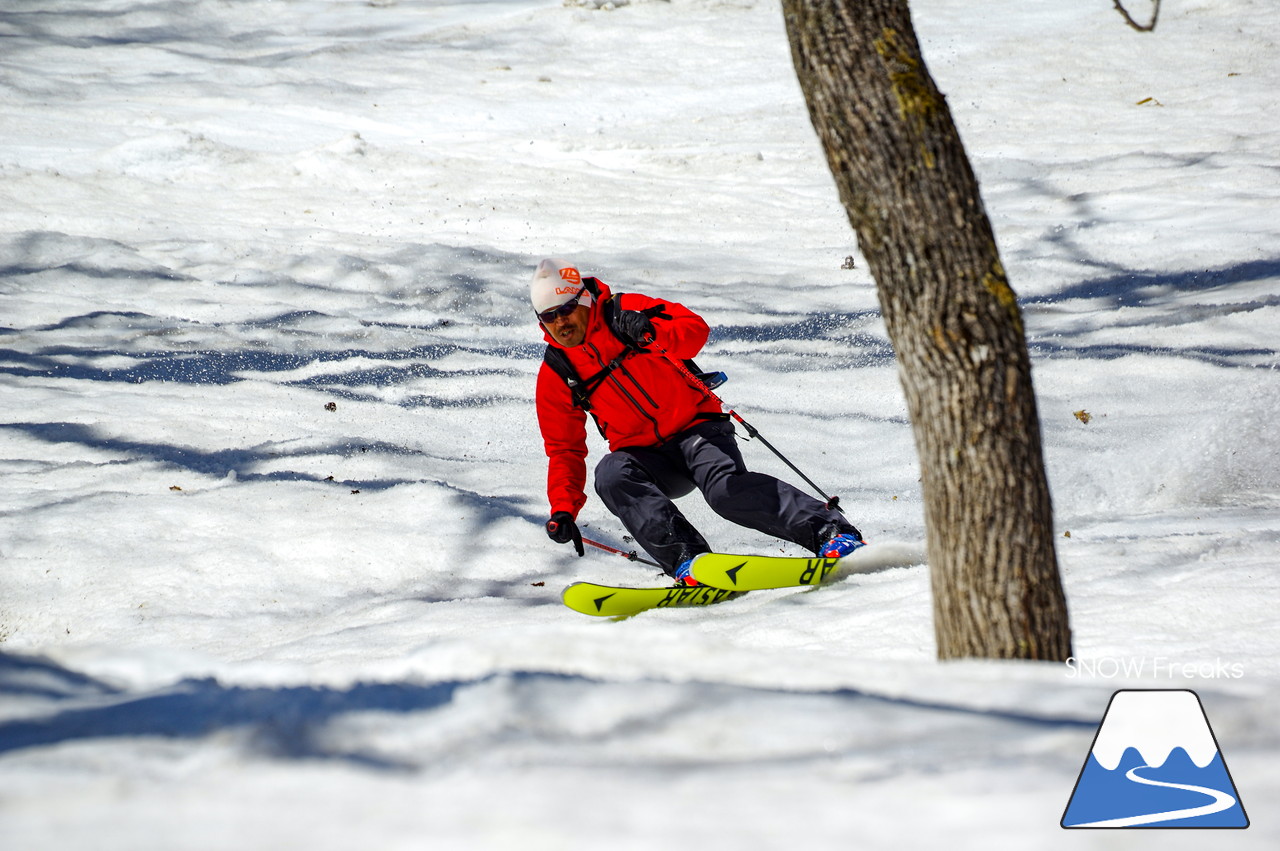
(549, 316)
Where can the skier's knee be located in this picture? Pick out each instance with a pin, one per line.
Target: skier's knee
(611, 473)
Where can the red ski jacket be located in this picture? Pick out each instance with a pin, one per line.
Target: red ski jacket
(643, 402)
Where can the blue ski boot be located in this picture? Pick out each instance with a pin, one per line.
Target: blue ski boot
(841, 545)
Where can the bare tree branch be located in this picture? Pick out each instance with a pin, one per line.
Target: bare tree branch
(1155, 14)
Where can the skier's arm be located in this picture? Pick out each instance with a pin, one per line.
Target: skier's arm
(677, 329)
(564, 436)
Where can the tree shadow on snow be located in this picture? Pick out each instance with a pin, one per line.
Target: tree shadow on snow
(482, 509)
(33, 677)
(285, 722)
(297, 722)
(1144, 289)
(217, 463)
(1154, 299)
(221, 368)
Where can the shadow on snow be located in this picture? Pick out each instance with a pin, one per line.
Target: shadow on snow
(289, 722)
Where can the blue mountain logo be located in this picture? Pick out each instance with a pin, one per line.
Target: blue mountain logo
(1155, 763)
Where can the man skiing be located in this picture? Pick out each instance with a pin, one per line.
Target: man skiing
(620, 357)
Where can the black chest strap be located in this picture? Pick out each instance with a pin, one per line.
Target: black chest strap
(581, 389)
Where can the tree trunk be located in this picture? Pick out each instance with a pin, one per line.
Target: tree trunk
(911, 196)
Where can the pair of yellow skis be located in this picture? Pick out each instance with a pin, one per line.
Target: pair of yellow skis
(720, 577)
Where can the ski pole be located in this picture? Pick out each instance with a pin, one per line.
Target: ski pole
(832, 501)
(629, 556)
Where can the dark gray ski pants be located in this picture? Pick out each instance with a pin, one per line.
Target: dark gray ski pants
(639, 483)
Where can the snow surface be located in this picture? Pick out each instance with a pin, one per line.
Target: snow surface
(231, 617)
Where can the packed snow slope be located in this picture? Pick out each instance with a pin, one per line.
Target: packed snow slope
(272, 568)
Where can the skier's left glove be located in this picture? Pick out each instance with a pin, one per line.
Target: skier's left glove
(636, 327)
(562, 530)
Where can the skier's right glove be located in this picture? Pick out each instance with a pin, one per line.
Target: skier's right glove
(636, 328)
(562, 530)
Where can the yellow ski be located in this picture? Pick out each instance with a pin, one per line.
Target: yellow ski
(610, 601)
(752, 573)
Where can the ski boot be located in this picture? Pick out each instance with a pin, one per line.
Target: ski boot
(841, 545)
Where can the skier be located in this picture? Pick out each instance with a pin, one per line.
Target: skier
(616, 357)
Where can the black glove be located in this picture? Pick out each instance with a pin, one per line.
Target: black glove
(562, 530)
(636, 328)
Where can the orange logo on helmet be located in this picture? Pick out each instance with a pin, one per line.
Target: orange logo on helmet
(571, 275)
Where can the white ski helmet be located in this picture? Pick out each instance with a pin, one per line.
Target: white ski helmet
(554, 283)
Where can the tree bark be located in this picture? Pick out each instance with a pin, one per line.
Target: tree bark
(912, 198)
